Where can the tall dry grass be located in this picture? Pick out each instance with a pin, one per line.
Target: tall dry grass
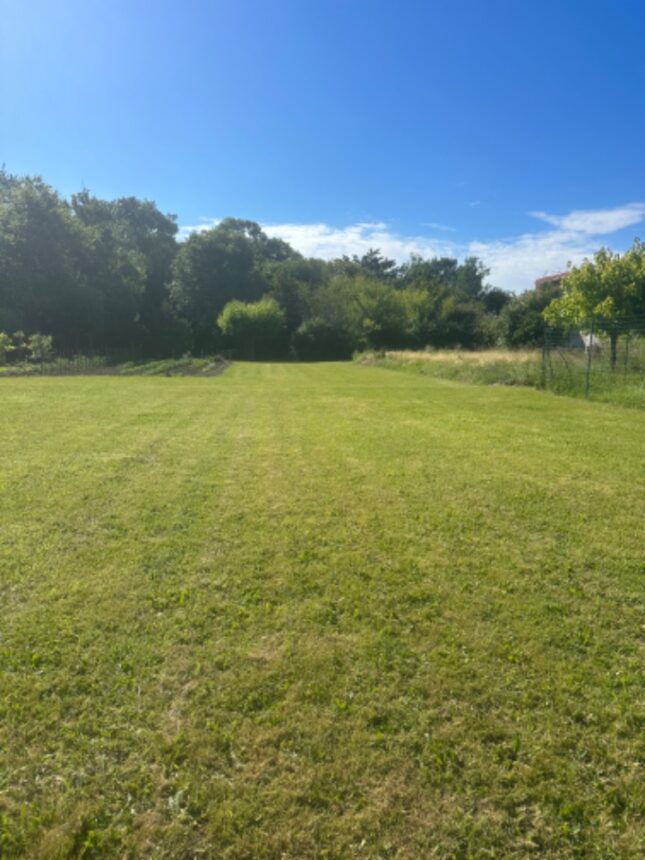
(481, 358)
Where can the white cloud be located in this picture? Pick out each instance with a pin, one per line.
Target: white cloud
(514, 262)
(205, 224)
(323, 240)
(596, 222)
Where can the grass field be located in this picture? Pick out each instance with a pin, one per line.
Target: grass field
(318, 611)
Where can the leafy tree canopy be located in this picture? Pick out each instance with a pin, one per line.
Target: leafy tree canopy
(610, 285)
(103, 274)
(607, 288)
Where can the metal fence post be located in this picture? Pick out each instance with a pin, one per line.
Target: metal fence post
(589, 351)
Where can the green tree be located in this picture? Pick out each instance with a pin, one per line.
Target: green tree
(372, 265)
(131, 246)
(446, 275)
(293, 284)
(381, 313)
(320, 340)
(217, 266)
(458, 323)
(42, 287)
(264, 248)
(372, 312)
(254, 330)
(495, 300)
(91, 273)
(522, 318)
(608, 287)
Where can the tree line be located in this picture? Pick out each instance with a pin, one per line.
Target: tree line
(104, 275)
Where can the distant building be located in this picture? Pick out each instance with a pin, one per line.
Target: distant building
(548, 281)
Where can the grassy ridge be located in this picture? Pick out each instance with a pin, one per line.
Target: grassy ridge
(317, 611)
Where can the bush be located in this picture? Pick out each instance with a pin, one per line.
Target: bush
(18, 349)
(40, 347)
(6, 346)
(255, 330)
(319, 340)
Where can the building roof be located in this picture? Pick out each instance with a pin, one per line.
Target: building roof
(549, 279)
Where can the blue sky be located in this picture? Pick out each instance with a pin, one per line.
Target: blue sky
(512, 130)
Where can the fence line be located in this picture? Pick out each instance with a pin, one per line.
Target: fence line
(600, 358)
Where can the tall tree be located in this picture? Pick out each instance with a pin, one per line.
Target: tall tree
(609, 287)
(219, 265)
(372, 265)
(293, 283)
(522, 318)
(132, 234)
(42, 287)
(92, 273)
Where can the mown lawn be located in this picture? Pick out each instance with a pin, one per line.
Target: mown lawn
(321, 611)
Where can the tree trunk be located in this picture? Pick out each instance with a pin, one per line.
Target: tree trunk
(613, 342)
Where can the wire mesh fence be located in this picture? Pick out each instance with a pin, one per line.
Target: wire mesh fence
(601, 359)
(69, 363)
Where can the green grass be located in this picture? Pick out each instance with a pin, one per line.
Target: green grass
(318, 611)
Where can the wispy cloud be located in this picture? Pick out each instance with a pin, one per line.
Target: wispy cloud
(514, 262)
(596, 222)
(434, 226)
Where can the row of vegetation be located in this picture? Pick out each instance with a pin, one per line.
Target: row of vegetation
(87, 275)
(100, 276)
(21, 349)
(570, 372)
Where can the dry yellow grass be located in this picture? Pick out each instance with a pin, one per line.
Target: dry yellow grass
(482, 357)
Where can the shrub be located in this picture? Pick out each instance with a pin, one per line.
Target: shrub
(19, 346)
(255, 329)
(6, 346)
(40, 347)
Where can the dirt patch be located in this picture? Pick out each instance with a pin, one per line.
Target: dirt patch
(214, 369)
